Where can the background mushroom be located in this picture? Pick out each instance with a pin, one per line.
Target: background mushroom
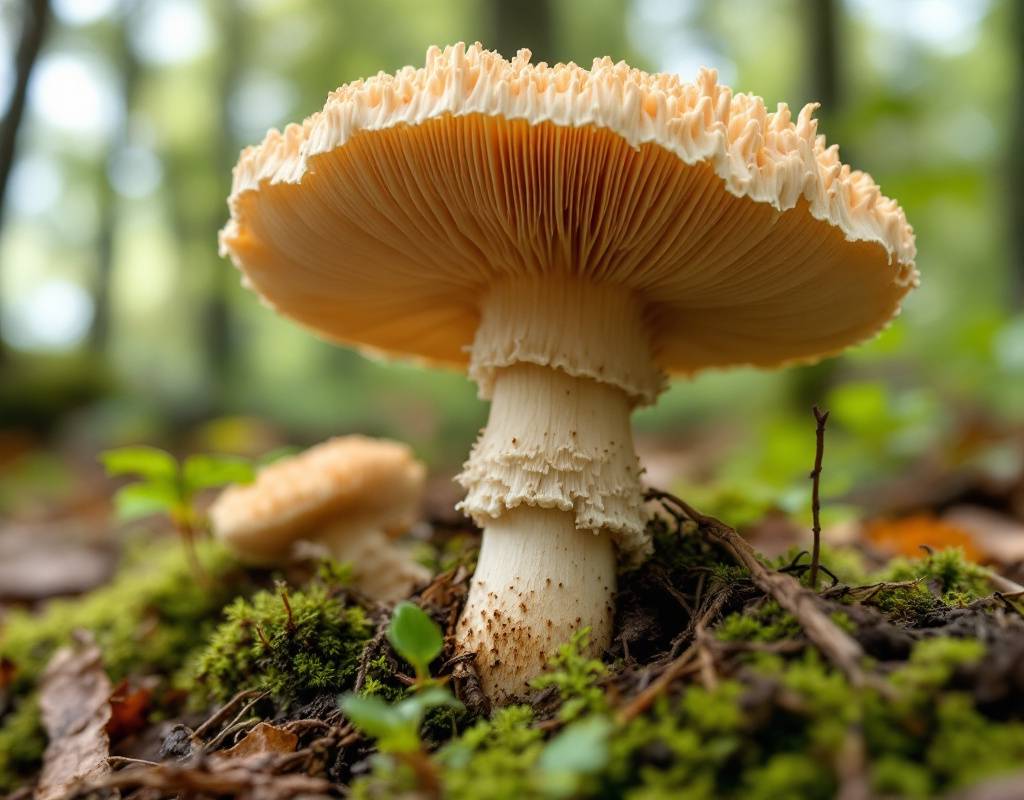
(349, 495)
(568, 235)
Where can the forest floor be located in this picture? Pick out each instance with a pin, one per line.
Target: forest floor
(729, 675)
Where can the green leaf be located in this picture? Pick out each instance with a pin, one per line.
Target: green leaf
(580, 748)
(374, 717)
(412, 709)
(209, 471)
(142, 499)
(147, 462)
(415, 637)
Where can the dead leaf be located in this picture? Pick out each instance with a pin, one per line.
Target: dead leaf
(1000, 537)
(128, 707)
(74, 700)
(264, 739)
(906, 536)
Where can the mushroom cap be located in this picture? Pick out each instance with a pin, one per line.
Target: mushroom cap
(382, 220)
(372, 482)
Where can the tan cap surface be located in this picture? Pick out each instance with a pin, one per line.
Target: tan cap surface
(382, 220)
(352, 478)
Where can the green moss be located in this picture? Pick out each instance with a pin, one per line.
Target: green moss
(146, 621)
(789, 776)
(493, 759)
(945, 578)
(768, 623)
(22, 741)
(292, 644)
(576, 676)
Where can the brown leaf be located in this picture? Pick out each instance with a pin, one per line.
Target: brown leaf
(75, 703)
(264, 739)
(128, 707)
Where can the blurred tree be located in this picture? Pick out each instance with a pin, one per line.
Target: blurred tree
(824, 56)
(1015, 150)
(128, 69)
(523, 23)
(216, 321)
(35, 17)
(822, 22)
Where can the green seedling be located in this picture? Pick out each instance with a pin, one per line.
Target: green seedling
(396, 727)
(416, 638)
(165, 485)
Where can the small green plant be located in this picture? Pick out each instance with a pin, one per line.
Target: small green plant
(416, 638)
(577, 678)
(166, 486)
(396, 727)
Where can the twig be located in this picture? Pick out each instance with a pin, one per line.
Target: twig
(639, 704)
(223, 712)
(837, 646)
(820, 417)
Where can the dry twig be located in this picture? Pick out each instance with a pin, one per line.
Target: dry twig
(841, 649)
(820, 417)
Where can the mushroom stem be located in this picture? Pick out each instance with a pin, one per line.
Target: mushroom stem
(553, 479)
(538, 580)
(380, 568)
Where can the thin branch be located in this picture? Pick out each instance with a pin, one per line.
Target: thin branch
(821, 417)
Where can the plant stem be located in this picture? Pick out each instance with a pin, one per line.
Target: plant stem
(820, 417)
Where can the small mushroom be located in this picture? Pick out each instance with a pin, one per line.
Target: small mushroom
(348, 496)
(568, 236)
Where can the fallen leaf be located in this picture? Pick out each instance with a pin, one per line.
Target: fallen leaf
(74, 700)
(907, 535)
(1000, 537)
(128, 707)
(262, 740)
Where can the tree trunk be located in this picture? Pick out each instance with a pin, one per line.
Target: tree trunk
(822, 20)
(128, 69)
(523, 23)
(216, 320)
(1015, 157)
(36, 14)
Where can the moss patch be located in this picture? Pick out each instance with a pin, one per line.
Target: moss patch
(293, 644)
(149, 620)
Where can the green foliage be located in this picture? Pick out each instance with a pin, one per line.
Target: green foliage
(769, 623)
(494, 759)
(396, 727)
(944, 577)
(148, 620)
(167, 486)
(948, 571)
(575, 754)
(415, 637)
(22, 741)
(292, 644)
(576, 676)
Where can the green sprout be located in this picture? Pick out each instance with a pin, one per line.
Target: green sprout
(166, 486)
(396, 727)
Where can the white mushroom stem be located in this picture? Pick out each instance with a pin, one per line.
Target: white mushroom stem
(380, 569)
(553, 479)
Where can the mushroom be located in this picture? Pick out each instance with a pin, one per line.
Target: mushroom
(348, 496)
(568, 236)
